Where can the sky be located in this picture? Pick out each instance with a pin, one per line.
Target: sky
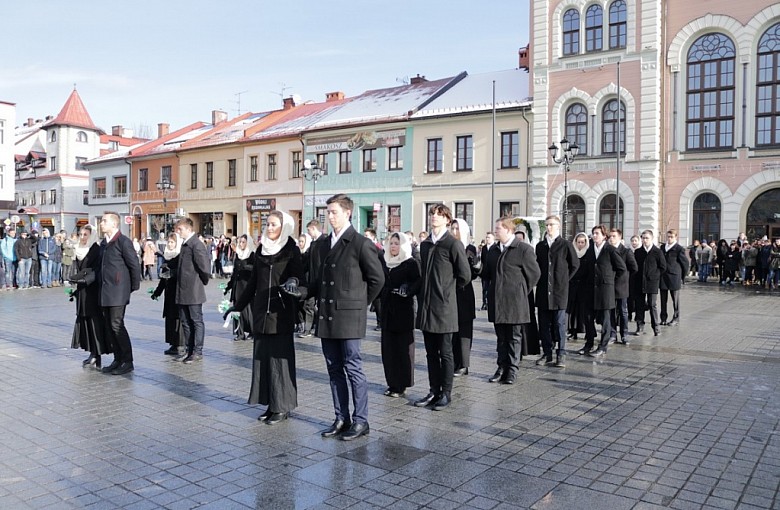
(140, 63)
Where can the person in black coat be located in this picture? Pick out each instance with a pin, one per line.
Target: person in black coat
(119, 276)
(462, 339)
(194, 273)
(402, 275)
(514, 272)
(273, 292)
(444, 268)
(651, 264)
(730, 264)
(622, 287)
(312, 264)
(243, 264)
(490, 240)
(608, 267)
(677, 266)
(167, 285)
(579, 305)
(721, 254)
(88, 332)
(348, 279)
(558, 263)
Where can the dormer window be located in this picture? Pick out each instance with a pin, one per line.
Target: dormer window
(81, 136)
(53, 137)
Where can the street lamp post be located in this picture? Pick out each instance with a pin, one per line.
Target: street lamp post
(166, 186)
(569, 151)
(312, 172)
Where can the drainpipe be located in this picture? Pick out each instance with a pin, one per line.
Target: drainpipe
(527, 162)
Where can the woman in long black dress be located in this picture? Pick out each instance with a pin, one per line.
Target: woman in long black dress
(173, 332)
(88, 330)
(274, 295)
(402, 274)
(461, 341)
(243, 263)
(578, 295)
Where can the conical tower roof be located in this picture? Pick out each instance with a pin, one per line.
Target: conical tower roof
(74, 113)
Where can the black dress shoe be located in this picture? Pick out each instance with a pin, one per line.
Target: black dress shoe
(89, 361)
(672, 323)
(355, 431)
(497, 376)
(275, 418)
(663, 323)
(598, 352)
(110, 368)
(265, 415)
(560, 361)
(461, 371)
(543, 359)
(426, 400)
(509, 379)
(442, 403)
(583, 351)
(192, 358)
(337, 428)
(123, 368)
(173, 351)
(656, 332)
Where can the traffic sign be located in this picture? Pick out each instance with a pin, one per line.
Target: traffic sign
(128, 220)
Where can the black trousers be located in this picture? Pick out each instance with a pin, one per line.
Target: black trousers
(675, 303)
(509, 347)
(441, 364)
(116, 333)
(647, 302)
(606, 329)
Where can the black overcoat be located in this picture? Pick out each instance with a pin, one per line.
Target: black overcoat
(397, 311)
(515, 275)
(120, 271)
(650, 266)
(444, 269)
(274, 312)
(88, 296)
(622, 284)
(677, 266)
(194, 272)
(558, 264)
(347, 280)
(607, 268)
(167, 288)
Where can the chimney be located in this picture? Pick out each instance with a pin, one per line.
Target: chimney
(116, 130)
(162, 129)
(49, 117)
(417, 79)
(218, 117)
(30, 122)
(288, 103)
(524, 57)
(334, 96)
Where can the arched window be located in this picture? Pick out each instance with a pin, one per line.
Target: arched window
(609, 126)
(81, 136)
(608, 212)
(617, 24)
(706, 217)
(710, 93)
(53, 137)
(594, 28)
(575, 219)
(768, 88)
(577, 126)
(761, 215)
(571, 32)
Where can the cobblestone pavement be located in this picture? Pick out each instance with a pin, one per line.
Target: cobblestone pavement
(688, 419)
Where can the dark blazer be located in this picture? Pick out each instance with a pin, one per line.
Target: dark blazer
(622, 283)
(274, 312)
(397, 311)
(120, 271)
(347, 280)
(607, 269)
(677, 266)
(650, 266)
(194, 272)
(514, 275)
(558, 264)
(314, 260)
(444, 268)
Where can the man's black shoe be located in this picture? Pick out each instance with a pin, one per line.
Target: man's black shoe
(275, 418)
(355, 431)
(543, 359)
(509, 379)
(192, 358)
(672, 323)
(426, 400)
(442, 403)
(337, 428)
(461, 371)
(497, 376)
(123, 368)
(110, 368)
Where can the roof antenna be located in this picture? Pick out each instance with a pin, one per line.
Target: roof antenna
(281, 93)
(238, 101)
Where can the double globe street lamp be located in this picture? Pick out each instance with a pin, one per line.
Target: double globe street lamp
(312, 172)
(166, 186)
(569, 151)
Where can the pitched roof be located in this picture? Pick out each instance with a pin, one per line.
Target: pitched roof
(171, 141)
(74, 113)
(298, 119)
(226, 132)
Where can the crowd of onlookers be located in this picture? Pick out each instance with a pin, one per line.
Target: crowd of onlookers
(35, 259)
(755, 263)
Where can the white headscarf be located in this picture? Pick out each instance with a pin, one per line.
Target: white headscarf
(80, 251)
(270, 247)
(170, 254)
(581, 253)
(246, 252)
(404, 253)
(463, 231)
(306, 242)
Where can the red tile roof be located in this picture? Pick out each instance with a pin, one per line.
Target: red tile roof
(74, 113)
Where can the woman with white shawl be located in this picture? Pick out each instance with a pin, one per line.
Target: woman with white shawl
(88, 330)
(243, 263)
(402, 275)
(174, 336)
(579, 299)
(461, 341)
(273, 291)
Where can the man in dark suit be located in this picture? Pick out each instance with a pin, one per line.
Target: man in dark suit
(444, 268)
(120, 274)
(490, 240)
(193, 275)
(314, 229)
(557, 262)
(620, 314)
(514, 272)
(350, 277)
(651, 264)
(677, 266)
(608, 267)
